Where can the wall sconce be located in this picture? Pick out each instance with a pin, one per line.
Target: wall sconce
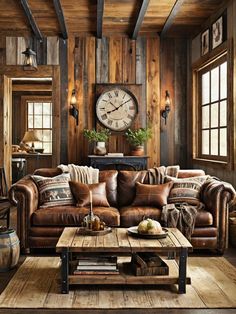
(73, 110)
(30, 62)
(166, 111)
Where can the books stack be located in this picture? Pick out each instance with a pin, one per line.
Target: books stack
(115, 155)
(102, 265)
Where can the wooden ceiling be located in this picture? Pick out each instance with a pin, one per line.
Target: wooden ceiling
(104, 17)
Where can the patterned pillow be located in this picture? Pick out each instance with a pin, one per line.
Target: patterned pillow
(152, 194)
(54, 191)
(186, 190)
(81, 191)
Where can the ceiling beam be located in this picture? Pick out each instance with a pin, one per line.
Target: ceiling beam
(171, 17)
(100, 9)
(140, 18)
(61, 19)
(31, 19)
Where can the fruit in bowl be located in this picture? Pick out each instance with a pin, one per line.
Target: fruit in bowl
(150, 226)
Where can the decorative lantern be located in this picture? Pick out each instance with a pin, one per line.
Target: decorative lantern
(30, 62)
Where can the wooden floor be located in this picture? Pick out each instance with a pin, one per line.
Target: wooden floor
(213, 289)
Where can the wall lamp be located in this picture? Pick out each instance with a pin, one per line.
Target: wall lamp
(73, 110)
(30, 62)
(166, 111)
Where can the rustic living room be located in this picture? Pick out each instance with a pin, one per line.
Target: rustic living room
(117, 156)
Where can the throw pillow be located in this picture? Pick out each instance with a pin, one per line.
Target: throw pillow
(152, 194)
(80, 192)
(186, 190)
(54, 191)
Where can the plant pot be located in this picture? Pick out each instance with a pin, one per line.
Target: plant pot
(138, 151)
(100, 149)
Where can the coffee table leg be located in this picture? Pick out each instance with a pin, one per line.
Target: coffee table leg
(182, 270)
(64, 271)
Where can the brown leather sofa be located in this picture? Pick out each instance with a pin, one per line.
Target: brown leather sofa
(41, 228)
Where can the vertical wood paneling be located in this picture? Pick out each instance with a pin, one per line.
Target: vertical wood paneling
(52, 50)
(129, 61)
(11, 50)
(40, 47)
(102, 60)
(2, 51)
(21, 46)
(153, 99)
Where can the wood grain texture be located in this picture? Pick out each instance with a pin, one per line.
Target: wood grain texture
(52, 50)
(27, 290)
(153, 99)
(11, 50)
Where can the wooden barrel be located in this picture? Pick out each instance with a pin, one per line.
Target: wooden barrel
(9, 249)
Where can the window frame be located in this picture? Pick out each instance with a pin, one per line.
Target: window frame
(207, 68)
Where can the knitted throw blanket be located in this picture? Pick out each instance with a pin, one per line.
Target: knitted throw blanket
(181, 216)
(81, 174)
(157, 175)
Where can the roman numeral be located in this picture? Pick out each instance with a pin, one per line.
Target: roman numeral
(125, 123)
(102, 108)
(109, 122)
(117, 124)
(123, 96)
(129, 117)
(131, 107)
(109, 95)
(104, 117)
(116, 92)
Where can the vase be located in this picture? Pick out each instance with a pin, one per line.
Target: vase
(100, 149)
(137, 151)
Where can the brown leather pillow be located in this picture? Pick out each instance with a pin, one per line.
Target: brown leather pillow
(152, 194)
(80, 192)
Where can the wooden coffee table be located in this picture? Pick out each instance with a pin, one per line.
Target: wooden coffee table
(119, 243)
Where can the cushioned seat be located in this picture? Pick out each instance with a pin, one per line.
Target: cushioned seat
(72, 216)
(204, 218)
(132, 215)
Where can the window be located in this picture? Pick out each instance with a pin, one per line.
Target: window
(40, 119)
(213, 124)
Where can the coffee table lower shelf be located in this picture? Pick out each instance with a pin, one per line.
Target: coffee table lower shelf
(126, 277)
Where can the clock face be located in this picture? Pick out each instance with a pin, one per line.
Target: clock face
(116, 109)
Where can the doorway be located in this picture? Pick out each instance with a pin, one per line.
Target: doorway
(7, 74)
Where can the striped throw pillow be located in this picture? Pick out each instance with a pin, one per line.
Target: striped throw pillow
(54, 191)
(186, 190)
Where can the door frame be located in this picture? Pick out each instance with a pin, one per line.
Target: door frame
(6, 75)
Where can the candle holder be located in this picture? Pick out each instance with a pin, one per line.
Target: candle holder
(90, 220)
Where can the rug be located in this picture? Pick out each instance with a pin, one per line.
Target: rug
(36, 284)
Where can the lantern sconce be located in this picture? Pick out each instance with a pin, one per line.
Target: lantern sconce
(166, 111)
(30, 62)
(73, 110)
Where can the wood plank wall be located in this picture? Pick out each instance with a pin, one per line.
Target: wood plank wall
(113, 60)
(224, 173)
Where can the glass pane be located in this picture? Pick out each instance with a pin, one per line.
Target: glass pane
(30, 108)
(47, 108)
(30, 122)
(47, 135)
(205, 142)
(205, 88)
(205, 117)
(223, 142)
(47, 148)
(214, 115)
(38, 122)
(223, 80)
(215, 84)
(38, 144)
(214, 142)
(223, 113)
(47, 122)
(38, 109)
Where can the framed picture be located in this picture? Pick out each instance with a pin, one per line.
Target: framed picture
(217, 32)
(205, 42)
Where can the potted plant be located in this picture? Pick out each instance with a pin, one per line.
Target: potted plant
(98, 137)
(137, 138)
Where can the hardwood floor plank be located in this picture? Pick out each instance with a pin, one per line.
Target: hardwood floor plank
(86, 298)
(111, 299)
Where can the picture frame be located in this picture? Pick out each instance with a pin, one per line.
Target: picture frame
(217, 32)
(205, 42)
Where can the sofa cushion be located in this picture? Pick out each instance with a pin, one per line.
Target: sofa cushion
(126, 185)
(73, 216)
(53, 191)
(132, 215)
(81, 191)
(110, 177)
(152, 194)
(186, 190)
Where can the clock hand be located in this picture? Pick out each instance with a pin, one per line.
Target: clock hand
(119, 106)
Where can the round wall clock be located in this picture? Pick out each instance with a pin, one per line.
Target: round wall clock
(116, 109)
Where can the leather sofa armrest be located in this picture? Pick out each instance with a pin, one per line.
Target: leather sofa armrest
(24, 194)
(217, 196)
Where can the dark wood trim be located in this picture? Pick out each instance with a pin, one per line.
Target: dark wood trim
(61, 19)
(31, 19)
(140, 18)
(169, 21)
(100, 9)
